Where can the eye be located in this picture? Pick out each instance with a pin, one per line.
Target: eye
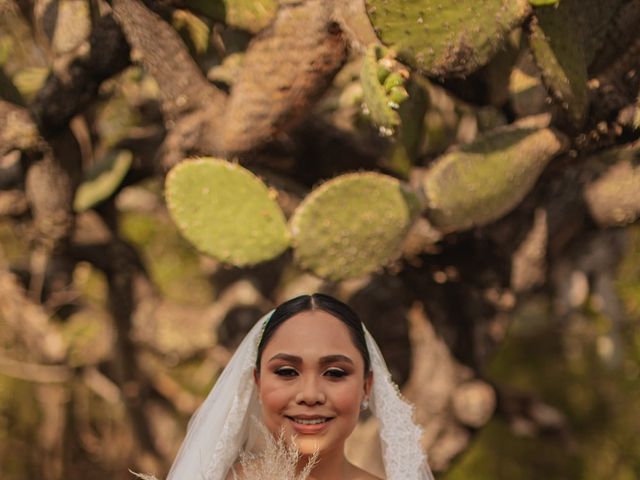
(335, 373)
(285, 372)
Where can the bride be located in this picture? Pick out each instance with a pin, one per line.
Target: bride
(305, 371)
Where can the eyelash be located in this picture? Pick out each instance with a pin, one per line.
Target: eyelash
(291, 372)
(336, 373)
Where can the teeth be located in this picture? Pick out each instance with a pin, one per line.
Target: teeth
(309, 421)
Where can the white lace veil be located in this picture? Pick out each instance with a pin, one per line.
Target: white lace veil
(222, 426)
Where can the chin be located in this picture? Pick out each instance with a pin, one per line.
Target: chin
(308, 446)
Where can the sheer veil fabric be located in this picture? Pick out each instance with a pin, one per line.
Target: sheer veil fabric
(222, 427)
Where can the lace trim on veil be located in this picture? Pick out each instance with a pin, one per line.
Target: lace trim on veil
(400, 436)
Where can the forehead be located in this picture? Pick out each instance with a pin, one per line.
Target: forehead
(312, 333)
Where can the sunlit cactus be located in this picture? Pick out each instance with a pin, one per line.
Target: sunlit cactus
(102, 180)
(226, 211)
(613, 197)
(383, 87)
(456, 171)
(445, 38)
(250, 15)
(484, 180)
(352, 225)
(557, 47)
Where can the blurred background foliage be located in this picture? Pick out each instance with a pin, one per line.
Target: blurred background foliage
(466, 178)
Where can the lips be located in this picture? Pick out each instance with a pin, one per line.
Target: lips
(309, 424)
(310, 421)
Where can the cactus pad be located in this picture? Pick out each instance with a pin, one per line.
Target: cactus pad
(226, 211)
(613, 198)
(352, 225)
(486, 179)
(102, 180)
(445, 38)
(193, 29)
(383, 80)
(250, 15)
(30, 80)
(558, 49)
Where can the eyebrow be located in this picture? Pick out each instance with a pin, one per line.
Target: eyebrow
(334, 358)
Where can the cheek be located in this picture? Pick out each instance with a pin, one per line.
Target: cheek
(347, 397)
(274, 397)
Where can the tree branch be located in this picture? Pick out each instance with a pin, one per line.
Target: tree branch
(183, 86)
(74, 82)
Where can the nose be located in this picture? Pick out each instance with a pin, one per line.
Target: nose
(310, 392)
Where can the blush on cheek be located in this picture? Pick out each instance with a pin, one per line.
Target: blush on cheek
(274, 402)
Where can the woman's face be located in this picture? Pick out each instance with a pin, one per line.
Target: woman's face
(312, 381)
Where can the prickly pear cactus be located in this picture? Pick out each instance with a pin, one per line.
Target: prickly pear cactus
(445, 38)
(410, 132)
(383, 87)
(286, 68)
(30, 80)
(102, 180)
(226, 211)
(352, 225)
(558, 49)
(193, 29)
(613, 198)
(250, 15)
(486, 179)
(527, 94)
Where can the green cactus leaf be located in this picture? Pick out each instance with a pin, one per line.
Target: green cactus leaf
(102, 180)
(8, 90)
(250, 15)
(228, 70)
(193, 28)
(445, 38)
(225, 211)
(486, 179)
(376, 70)
(411, 130)
(541, 3)
(613, 197)
(558, 49)
(89, 337)
(30, 80)
(6, 47)
(527, 94)
(352, 225)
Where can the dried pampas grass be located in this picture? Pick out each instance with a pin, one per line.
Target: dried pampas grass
(143, 476)
(277, 460)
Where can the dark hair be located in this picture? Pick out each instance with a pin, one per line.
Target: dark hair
(316, 301)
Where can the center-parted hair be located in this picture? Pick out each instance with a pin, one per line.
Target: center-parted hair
(316, 301)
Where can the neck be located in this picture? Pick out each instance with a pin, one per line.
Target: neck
(331, 465)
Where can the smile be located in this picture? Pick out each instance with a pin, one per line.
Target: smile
(310, 421)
